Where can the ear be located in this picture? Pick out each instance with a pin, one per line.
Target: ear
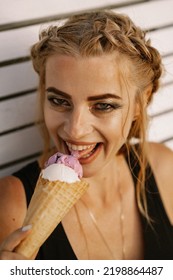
(142, 100)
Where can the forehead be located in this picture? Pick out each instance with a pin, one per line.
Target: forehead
(97, 74)
(82, 64)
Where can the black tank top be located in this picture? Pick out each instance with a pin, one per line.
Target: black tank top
(158, 239)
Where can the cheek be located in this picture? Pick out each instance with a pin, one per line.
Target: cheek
(113, 129)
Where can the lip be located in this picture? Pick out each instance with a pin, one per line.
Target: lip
(87, 160)
(92, 157)
(79, 143)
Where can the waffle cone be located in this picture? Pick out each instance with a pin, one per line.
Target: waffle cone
(49, 204)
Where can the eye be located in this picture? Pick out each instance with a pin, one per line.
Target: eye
(59, 102)
(105, 107)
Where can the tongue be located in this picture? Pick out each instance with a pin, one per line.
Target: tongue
(75, 154)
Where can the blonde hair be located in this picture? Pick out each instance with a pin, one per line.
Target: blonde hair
(95, 34)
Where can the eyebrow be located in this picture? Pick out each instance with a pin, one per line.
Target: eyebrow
(58, 92)
(90, 98)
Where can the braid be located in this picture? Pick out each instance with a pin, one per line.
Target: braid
(97, 33)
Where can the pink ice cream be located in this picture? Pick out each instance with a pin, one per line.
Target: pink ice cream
(68, 160)
(63, 167)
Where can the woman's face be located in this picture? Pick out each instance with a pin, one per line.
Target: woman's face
(87, 109)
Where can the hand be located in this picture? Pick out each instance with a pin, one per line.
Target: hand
(7, 248)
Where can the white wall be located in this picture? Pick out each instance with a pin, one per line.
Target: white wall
(20, 22)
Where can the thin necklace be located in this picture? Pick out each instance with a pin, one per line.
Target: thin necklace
(98, 230)
(82, 230)
(93, 219)
(122, 224)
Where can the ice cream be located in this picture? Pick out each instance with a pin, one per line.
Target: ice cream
(65, 168)
(58, 188)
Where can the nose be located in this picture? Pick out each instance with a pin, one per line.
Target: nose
(78, 124)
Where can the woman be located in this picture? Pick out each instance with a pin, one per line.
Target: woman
(98, 74)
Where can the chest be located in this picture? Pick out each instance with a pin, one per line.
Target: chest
(109, 227)
(111, 236)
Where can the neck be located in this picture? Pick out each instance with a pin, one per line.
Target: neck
(104, 185)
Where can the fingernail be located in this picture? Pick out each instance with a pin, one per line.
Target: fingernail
(25, 228)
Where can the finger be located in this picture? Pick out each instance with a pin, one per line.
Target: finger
(15, 238)
(6, 255)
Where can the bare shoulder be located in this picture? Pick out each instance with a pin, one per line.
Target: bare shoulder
(161, 160)
(12, 205)
(161, 157)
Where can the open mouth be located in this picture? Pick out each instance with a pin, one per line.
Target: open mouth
(85, 153)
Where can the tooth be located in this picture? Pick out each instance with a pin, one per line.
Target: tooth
(78, 148)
